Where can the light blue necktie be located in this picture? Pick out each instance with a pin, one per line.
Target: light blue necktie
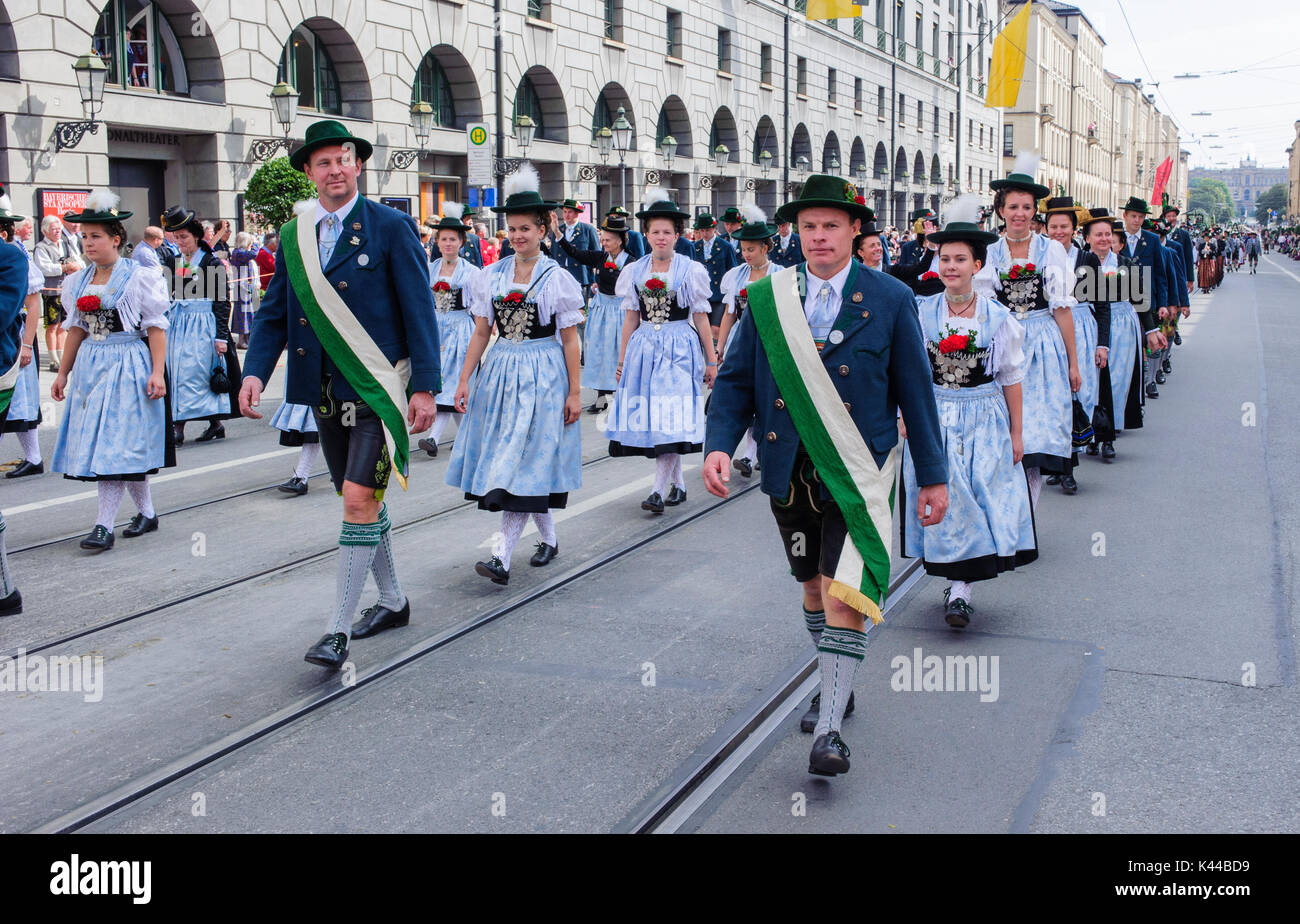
(824, 313)
(329, 236)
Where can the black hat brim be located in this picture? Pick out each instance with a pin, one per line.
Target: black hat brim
(970, 237)
(1037, 190)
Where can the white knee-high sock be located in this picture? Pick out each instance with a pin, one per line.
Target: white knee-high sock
(960, 591)
(141, 496)
(546, 527)
(1035, 477)
(512, 525)
(306, 459)
(357, 545)
(440, 422)
(751, 445)
(31, 446)
(839, 652)
(110, 498)
(677, 471)
(663, 471)
(383, 567)
(6, 579)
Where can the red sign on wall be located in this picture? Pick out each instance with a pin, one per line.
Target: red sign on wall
(61, 201)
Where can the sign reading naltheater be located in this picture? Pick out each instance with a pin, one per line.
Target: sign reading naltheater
(141, 136)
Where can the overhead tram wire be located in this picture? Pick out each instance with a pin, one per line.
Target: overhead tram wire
(1150, 74)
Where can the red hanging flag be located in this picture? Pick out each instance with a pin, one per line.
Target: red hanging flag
(1162, 179)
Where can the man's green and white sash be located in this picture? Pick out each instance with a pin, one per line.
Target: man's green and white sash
(863, 491)
(380, 384)
(7, 383)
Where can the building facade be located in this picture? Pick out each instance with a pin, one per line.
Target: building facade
(1293, 176)
(1246, 182)
(1101, 138)
(895, 97)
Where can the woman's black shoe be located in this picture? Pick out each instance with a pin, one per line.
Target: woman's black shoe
(430, 447)
(744, 467)
(957, 612)
(543, 555)
(12, 605)
(1107, 451)
(215, 431)
(178, 434)
(294, 485)
(493, 569)
(26, 468)
(1053, 479)
(140, 524)
(675, 496)
(99, 540)
(654, 503)
(829, 756)
(1069, 485)
(1092, 449)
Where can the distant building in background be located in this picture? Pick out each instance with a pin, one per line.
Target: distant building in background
(1293, 178)
(1246, 182)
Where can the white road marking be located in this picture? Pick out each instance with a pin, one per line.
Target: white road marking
(591, 503)
(1283, 269)
(153, 480)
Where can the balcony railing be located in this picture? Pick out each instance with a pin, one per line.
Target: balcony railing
(881, 39)
(901, 50)
(936, 67)
(857, 29)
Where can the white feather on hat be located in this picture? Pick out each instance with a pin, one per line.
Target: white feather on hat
(964, 208)
(102, 200)
(6, 204)
(453, 210)
(525, 179)
(1027, 163)
(753, 214)
(658, 195)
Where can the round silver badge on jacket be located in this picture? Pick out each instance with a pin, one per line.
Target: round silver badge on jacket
(362, 259)
(837, 336)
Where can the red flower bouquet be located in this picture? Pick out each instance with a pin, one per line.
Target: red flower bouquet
(655, 285)
(442, 286)
(929, 275)
(860, 200)
(514, 298)
(1019, 271)
(743, 293)
(954, 343)
(611, 265)
(88, 303)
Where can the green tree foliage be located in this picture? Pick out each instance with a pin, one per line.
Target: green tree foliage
(273, 190)
(1212, 197)
(1273, 199)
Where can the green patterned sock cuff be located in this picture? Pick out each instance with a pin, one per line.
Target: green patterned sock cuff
(848, 642)
(384, 523)
(359, 534)
(815, 621)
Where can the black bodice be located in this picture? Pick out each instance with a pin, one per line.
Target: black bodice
(662, 310)
(517, 321)
(958, 370)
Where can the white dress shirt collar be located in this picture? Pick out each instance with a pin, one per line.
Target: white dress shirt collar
(815, 286)
(341, 214)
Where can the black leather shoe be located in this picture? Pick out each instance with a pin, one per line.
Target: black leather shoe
(1178, 339)
(654, 503)
(294, 485)
(430, 447)
(140, 524)
(1069, 485)
(957, 613)
(494, 569)
(543, 555)
(1152, 391)
(377, 618)
(829, 756)
(1092, 449)
(178, 434)
(25, 469)
(215, 431)
(1053, 479)
(99, 540)
(808, 724)
(1160, 377)
(675, 496)
(744, 467)
(11, 605)
(1107, 451)
(1166, 368)
(331, 651)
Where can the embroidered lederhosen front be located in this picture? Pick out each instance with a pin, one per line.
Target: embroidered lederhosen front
(517, 320)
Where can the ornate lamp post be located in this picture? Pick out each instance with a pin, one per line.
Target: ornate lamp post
(284, 103)
(422, 123)
(92, 74)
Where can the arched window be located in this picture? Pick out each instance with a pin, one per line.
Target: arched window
(528, 103)
(432, 86)
(306, 66)
(139, 47)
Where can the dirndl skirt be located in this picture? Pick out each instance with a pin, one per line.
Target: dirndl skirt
(513, 450)
(111, 428)
(454, 330)
(296, 423)
(659, 405)
(191, 357)
(1047, 413)
(989, 526)
(604, 328)
(25, 402)
(1125, 365)
(1085, 348)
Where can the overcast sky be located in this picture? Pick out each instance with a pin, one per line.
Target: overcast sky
(1254, 111)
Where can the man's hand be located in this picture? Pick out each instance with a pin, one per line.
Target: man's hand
(420, 411)
(1190, 286)
(717, 473)
(1156, 340)
(932, 497)
(1163, 314)
(250, 396)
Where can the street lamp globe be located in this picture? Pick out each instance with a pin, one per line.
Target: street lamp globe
(284, 100)
(765, 162)
(92, 73)
(721, 154)
(801, 165)
(622, 132)
(860, 173)
(604, 142)
(668, 147)
(525, 128)
(834, 165)
(421, 121)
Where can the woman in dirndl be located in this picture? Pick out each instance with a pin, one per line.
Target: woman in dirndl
(605, 316)
(24, 412)
(243, 263)
(1126, 341)
(519, 449)
(199, 343)
(297, 426)
(754, 239)
(1030, 274)
(666, 356)
(976, 351)
(114, 430)
(454, 281)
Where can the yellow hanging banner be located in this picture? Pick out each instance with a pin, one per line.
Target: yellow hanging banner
(833, 9)
(1010, 49)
